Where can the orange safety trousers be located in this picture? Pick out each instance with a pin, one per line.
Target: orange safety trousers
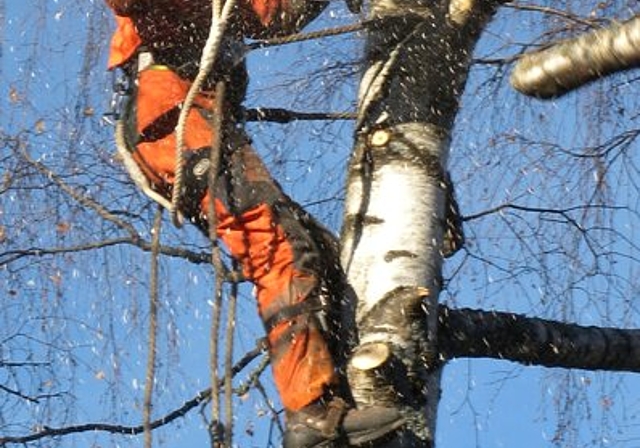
(280, 248)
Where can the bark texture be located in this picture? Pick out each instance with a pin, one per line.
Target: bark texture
(570, 64)
(418, 58)
(532, 341)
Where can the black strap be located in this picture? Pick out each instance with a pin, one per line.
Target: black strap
(308, 306)
(196, 181)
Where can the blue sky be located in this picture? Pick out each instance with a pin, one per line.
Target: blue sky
(86, 313)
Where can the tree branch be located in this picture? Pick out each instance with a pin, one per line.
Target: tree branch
(14, 255)
(572, 63)
(150, 377)
(304, 36)
(466, 333)
(279, 115)
(83, 200)
(200, 397)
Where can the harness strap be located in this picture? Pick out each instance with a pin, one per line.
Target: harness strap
(196, 181)
(127, 138)
(312, 305)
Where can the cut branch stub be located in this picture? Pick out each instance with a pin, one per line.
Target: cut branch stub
(417, 61)
(384, 367)
(370, 356)
(369, 367)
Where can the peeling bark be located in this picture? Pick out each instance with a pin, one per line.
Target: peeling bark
(572, 63)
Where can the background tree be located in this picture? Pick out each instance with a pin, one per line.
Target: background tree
(547, 190)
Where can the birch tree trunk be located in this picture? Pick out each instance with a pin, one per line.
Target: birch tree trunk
(418, 58)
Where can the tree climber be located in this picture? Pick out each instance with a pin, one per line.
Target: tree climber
(291, 259)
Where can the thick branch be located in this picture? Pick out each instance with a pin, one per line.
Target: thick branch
(572, 63)
(533, 341)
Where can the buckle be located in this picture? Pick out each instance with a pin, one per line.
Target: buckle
(145, 60)
(121, 89)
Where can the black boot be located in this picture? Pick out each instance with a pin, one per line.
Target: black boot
(333, 425)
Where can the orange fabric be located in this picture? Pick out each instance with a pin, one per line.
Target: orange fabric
(304, 371)
(126, 38)
(124, 42)
(306, 368)
(261, 246)
(159, 91)
(266, 10)
(158, 158)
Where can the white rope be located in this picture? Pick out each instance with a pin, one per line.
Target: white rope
(135, 172)
(209, 54)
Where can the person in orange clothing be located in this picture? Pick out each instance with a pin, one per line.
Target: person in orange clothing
(291, 259)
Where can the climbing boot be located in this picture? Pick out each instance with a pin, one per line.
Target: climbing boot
(333, 425)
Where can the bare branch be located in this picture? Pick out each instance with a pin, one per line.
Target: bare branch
(200, 397)
(553, 12)
(534, 341)
(565, 212)
(301, 37)
(11, 256)
(572, 63)
(77, 196)
(278, 115)
(18, 394)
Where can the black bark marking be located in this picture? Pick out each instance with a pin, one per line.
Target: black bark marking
(394, 254)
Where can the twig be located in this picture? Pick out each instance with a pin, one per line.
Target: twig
(279, 115)
(18, 394)
(200, 397)
(552, 11)
(562, 212)
(80, 198)
(254, 377)
(301, 37)
(11, 256)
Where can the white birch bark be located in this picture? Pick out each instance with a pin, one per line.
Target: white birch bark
(572, 63)
(393, 261)
(403, 215)
(392, 238)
